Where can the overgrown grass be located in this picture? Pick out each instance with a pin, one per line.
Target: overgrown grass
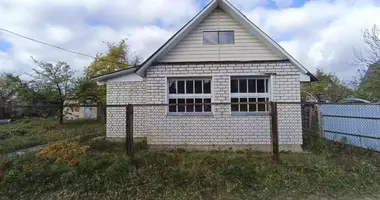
(105, 172)
(31, 132)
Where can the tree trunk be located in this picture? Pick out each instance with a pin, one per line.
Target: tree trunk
(2, 109)
(61, 114)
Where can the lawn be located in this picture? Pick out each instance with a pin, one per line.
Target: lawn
(101, 170)
(31, 132)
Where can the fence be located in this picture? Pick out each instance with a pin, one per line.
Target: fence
(356, 125)
(201, 126)
(245, 125)
(195, 126)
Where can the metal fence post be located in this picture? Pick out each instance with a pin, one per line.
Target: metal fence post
(129, 130)
(275, 140)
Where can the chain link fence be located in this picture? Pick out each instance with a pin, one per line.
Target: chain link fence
(344, 128)
(246, 126)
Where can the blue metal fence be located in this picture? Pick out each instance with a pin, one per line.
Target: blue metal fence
(358, 125)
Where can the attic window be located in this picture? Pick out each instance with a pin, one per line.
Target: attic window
(218, 37)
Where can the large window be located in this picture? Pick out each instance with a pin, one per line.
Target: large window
(245, 90)
(189, 91)
(218, 37)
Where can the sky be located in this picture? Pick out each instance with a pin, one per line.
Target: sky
(318, 33)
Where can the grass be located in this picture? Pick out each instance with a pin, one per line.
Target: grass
(105, 172)
(32, 132)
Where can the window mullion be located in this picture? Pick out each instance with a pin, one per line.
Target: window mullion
(246, 82)
(184, 84)
(265, 85)
(176, 87)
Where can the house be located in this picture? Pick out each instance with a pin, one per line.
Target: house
(75, 111)
(219, 56)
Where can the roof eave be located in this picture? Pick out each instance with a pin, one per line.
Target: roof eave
(105, 77)
(177, 37)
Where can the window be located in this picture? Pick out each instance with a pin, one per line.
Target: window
(249, 90)
(189, 91)
(218, 37)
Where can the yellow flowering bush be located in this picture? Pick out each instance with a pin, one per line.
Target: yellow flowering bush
(61, 152)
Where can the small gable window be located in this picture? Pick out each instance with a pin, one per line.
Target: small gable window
(218, 37)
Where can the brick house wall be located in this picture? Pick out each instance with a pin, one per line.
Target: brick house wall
(219, 130)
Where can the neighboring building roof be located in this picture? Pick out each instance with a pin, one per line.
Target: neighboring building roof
(353, 100)
(193, 23)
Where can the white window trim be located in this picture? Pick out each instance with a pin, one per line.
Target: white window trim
(217, 31)
(189, 96)
(267, 95)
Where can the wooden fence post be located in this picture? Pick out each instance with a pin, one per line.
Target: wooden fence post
(129, 130)
(275, 139)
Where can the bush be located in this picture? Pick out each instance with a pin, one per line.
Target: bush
(313, 141)
(3, 135)
(62, 152)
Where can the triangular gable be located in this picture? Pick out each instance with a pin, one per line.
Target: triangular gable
(194, 22)
(246, 47)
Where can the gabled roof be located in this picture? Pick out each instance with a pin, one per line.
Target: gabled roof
(194, 22)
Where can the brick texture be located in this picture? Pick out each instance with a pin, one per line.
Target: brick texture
(219, 129)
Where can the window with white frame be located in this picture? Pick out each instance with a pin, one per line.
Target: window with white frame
(249, 90)
(218, 37)
(189, 91)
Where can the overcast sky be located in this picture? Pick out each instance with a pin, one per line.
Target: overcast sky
(319, 33)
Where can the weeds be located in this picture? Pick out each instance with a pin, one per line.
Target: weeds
(197, 175)
(41, 131)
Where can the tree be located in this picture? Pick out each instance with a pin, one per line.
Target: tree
(9, 86)
(367, 83)
(371, 53)
(55, 82)
(118, 57)
(327, 88)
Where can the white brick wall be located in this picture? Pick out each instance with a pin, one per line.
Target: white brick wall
(221, 128)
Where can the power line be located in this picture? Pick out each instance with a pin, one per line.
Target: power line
(58, 47)
(51, 45)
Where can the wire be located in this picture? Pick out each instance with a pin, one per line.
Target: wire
(38, 41)
(58, 47)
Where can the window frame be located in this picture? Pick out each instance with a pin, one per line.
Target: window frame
(267, 95)
(193, 96)
(218, 31)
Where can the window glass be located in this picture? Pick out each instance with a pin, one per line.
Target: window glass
(207, 108)
(226, 37)
(189, 91)
(198, 108)
(172, 87)
(252, 107)
(243, 107)
(172, 108)
(260, 86)
(210, 37)
(181, 108)
(234, 86)
(234, 107)
(261, 106)
(181, 87)
(206, 86)
(249, 90)
(189, 87)
(189, 108)
(198, 87)
(218, 37)
(243, 85)
(252, 85)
